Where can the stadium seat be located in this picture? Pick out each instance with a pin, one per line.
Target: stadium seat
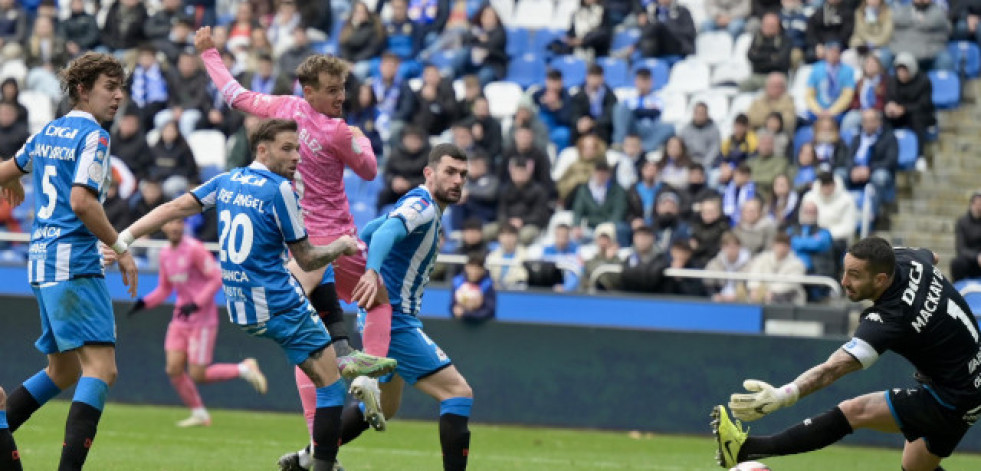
(505, 10)
(210, 171)
(803, 135)
(208, 147)
(908, 148)
(15, 69)
(798, 88)
(689, 76)
(697, 10)
(622, 39)
(40, 109)
(967, 57)
(519, 40)
(713, 47)
(573, 69)
(660, 71)
(564, 10)
(946, 89)
(741, 103)
(740, 49)
(533, 14)
(459, 89)
(443, 60)
(616, 71)
(675, 108)
(717, 102)
(625, 93)
(503, 98)
(542, 38)
(731, 72)
(526, 70)
(847, 134)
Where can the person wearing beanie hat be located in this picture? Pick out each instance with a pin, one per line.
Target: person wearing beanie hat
(909, 102)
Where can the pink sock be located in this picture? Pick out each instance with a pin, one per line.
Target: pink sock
(308, 397)
(187, 391)
(378, 330)
(221, 372)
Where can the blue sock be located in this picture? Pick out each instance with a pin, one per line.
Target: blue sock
(456, 405)
(91, 391)
(361, 407)
(3, 420)
(41, 387)
(331, 396)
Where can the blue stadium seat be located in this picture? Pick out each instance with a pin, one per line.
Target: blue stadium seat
(443, 60)
(967, 57)
(908, 148)
(519, 40)
(616, 71)
(541, 39)
(803, 135)
(210, 171)
(573, 69)
(526, 70)
(660, 71)
(946, 89)
(625, 38)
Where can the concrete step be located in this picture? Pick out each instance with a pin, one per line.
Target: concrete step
(921, 222)
(941, 242)
(946, 194)
(946, 176)
(917, 206)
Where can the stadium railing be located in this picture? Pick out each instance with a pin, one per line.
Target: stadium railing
(818, 280)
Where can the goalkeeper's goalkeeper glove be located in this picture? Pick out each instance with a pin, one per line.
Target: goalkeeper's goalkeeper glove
(187, 309)
(138, 306)
(761, 400)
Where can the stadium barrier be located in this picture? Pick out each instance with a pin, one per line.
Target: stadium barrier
(526, 374)
(725, 275)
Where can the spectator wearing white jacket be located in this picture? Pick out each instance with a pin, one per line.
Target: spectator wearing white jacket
(779, 260)
(837, 210)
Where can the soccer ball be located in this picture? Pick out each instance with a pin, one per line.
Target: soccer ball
(751, 466)
(469, 296)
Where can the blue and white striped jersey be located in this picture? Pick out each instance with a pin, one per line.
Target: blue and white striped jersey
(66, 152)
(258, 214)
(406, 269)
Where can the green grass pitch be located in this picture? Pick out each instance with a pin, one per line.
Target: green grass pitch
(145, 438)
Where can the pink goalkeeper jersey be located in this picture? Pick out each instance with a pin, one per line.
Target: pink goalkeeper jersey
(326, 146)
(193, 271)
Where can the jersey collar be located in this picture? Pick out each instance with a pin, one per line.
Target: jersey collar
(81, 114)
(259, 166)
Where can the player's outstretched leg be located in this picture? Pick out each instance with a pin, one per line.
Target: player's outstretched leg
(34, 393)
(814, 433)
(9, 457)
(365, 390)
(351, 363)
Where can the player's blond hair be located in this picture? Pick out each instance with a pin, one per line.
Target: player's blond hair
(308, 73)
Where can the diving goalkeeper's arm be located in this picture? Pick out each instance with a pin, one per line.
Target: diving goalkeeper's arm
(763, 398)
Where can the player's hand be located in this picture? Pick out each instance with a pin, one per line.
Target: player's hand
(186, 310)
(761, 400)
(127, 267)
(356, 132)
(346, 245)
(203, 40)
(366, 290)
(109, 256)
(13, 192)
(138, 306)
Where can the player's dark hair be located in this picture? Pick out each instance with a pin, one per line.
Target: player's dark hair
(86, 69)
(450, 150)
(877, 252)
(476, 257)
(267, 130)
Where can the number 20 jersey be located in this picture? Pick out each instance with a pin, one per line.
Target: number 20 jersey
(922, 317)
(67, 152)
(258, 214)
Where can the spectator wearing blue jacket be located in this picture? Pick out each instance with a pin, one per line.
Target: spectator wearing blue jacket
(641, 115)
(474, 299)
(404, 39)
(812, 243)
(555, 109)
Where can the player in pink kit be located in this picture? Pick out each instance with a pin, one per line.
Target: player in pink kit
(327, 145)
(191, 269)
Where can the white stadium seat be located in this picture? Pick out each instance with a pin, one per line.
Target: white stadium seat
(40, 109)
(731, 72)
(208, 147)
(740, 103)
(504, 9)
(741, 48)
(533, 14)
(798, 88)
(675, 108)
(503, 98)
(689, 76)
(717, 102)
(564, 10)
(713, 47)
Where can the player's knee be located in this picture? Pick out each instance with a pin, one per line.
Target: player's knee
(64, 375)
(198, 375)
(174, 370)
(461, 389)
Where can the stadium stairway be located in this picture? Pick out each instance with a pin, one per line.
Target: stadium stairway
(930, 200)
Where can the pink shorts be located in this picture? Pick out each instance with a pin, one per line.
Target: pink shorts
(198, 342)
(347, 269)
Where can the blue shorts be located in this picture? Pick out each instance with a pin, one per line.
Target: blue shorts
(300, 332)
(417, 355)
(74, 313)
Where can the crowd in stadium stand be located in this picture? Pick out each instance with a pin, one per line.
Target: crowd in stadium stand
(733, 135)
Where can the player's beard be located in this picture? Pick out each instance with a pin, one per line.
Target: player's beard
(448, 196)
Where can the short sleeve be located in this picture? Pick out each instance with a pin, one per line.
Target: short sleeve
(414, 213)
(289, 216)
(207, 192)
(815, 78)
(23, 156)
(876, 333)
(848, 77)
(93, 164)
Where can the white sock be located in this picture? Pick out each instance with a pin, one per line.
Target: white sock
(242, 370)
(199, 412)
